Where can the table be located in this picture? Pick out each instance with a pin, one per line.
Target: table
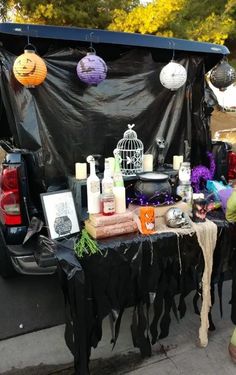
(147, 272)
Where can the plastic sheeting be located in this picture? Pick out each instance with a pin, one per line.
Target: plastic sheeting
(63, 120)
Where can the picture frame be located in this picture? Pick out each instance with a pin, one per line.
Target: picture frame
(60, 214)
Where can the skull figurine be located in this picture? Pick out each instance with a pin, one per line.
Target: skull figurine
(161, 144)
(176, 218)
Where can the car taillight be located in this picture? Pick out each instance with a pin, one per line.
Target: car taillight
(10, 197)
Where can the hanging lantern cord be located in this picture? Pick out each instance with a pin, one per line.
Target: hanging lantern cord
(28, 38)
(29, 45)
(173, 46)
(91, 48)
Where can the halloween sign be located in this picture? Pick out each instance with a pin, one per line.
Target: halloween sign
(29, 69)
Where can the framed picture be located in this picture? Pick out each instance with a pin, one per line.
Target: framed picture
(60, 214)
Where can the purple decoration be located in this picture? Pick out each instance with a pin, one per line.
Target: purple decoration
(91, 69)
(224, 195)
(201, 174)
(160, 199)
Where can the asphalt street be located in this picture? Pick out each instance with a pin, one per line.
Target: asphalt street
(29, 303)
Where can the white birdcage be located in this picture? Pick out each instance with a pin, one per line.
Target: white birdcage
(130, 150)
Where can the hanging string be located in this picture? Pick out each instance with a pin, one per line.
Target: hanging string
(28, 38)
(29, 44)
(172, 44)
(91, 36)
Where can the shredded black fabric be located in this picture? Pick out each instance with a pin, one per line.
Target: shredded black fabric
(131, 269)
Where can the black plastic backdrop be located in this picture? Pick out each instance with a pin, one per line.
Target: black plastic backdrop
(63, 120)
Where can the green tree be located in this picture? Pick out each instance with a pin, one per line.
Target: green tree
(154, 18)
(81, 13)
(203, 20)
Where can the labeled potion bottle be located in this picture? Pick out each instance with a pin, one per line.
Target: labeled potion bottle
(107, 181)
(93, 188)
(117, 177)
(108, 198)
(108, 204)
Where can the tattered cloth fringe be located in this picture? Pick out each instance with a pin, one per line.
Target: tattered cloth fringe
(207, 236)
(206, 233)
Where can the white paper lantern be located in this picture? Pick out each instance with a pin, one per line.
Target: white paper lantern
(173, 75)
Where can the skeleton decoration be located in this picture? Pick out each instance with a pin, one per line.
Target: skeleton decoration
(161, 145)
(176, 218)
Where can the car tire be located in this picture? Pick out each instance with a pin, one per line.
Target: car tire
(6, 266)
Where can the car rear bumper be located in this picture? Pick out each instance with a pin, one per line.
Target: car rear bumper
(26, 260)
(27, 265)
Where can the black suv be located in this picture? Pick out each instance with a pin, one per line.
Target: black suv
(16, 213)
(45, 130)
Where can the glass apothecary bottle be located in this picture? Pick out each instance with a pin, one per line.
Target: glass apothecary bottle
(108, 204)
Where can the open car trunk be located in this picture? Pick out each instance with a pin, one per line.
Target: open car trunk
(62, 121)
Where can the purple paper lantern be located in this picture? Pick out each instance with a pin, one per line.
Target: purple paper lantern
(91, 69)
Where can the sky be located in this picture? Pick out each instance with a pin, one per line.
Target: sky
(226, 98)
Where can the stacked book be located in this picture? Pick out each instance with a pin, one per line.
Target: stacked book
(100, 226)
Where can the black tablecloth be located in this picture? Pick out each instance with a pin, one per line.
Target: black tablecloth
(147, 272)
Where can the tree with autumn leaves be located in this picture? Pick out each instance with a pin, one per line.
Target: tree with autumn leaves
(202, 20)
(81, 13)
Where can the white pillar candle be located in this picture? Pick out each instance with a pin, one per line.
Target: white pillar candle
(120, 199)
(147, 163)
(177, 160)
(233, 338)
(112, 165)
(80, 171)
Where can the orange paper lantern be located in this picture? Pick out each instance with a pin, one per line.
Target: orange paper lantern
(29, 69)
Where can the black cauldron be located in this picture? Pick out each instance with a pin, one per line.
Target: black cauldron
(151, 184)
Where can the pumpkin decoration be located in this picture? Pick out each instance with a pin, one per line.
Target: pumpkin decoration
(29, 69)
